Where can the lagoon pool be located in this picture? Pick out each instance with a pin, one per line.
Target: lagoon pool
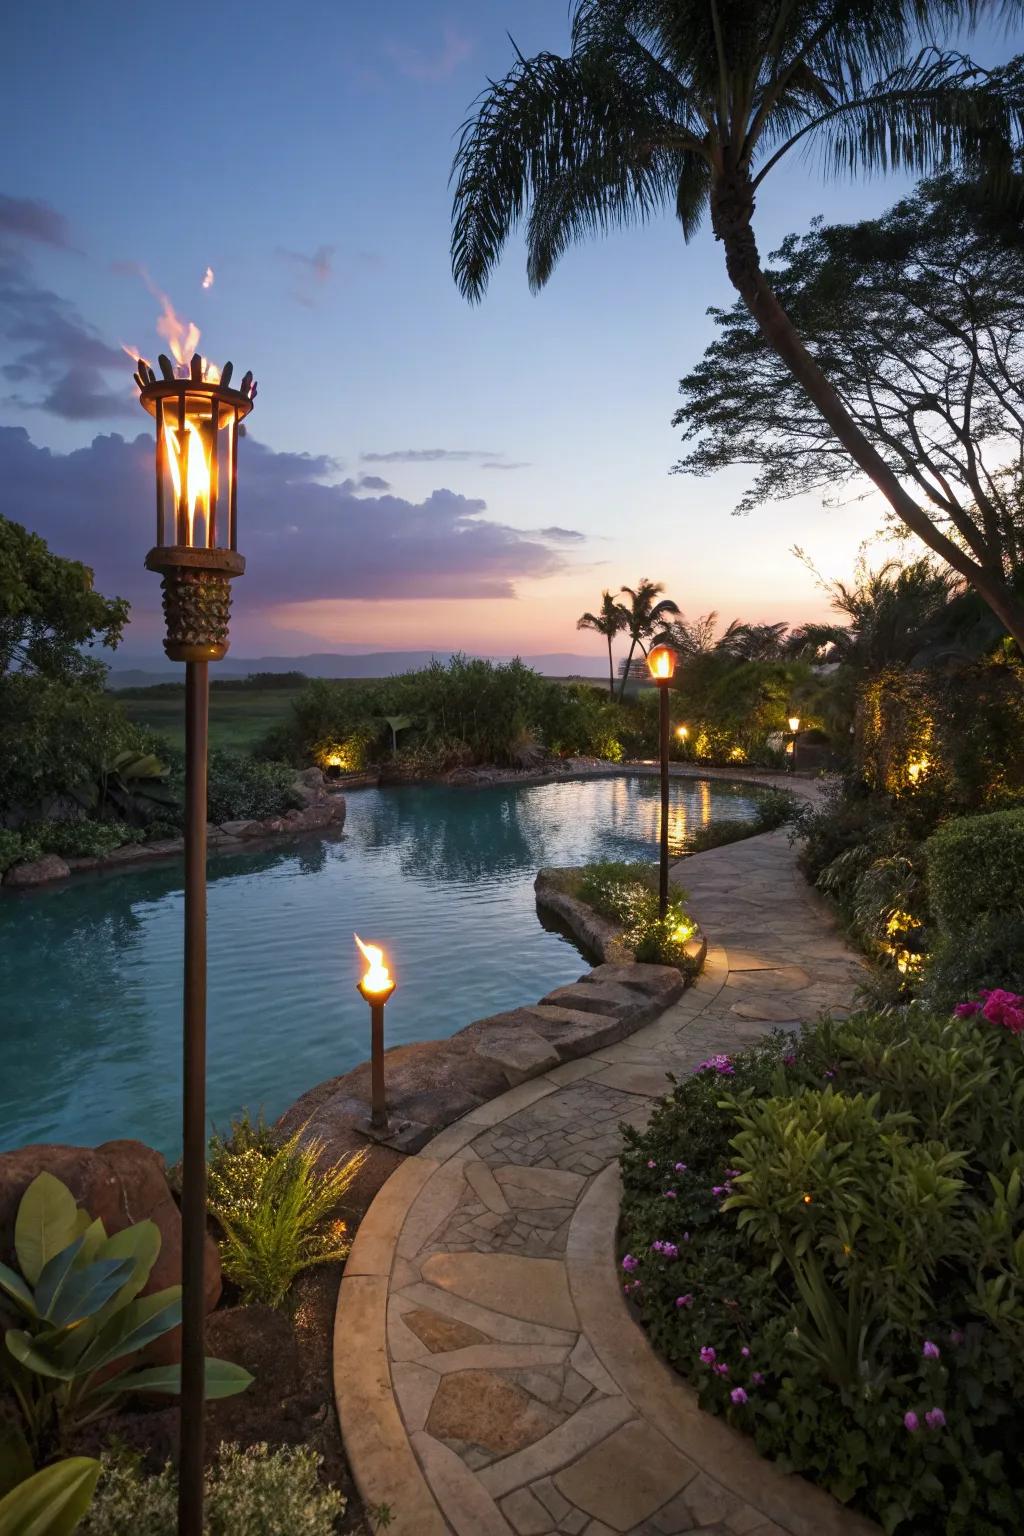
(90, 971)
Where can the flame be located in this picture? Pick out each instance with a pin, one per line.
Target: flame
(377, 977)
(181, 336)
(197, 468)
(208, 278)
(661, 664)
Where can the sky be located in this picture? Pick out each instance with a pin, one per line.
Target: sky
(418, 472)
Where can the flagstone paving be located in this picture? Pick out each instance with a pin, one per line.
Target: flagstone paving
(490, 1379)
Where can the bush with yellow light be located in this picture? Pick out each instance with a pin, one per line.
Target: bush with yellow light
(826, 1238)
(628, 894)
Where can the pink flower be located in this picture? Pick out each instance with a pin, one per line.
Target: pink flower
(629, 1263)
(732, 1173)
(966, 1010)
(680, 1167)
(912, 1422)
(708, 1355)
(684, 1301)
(930, 1351)
(720, 1369)
(738, 1396)
(745, 1352)
(719, 1063)
(935, 1418)
(651, 1163)
(757, 1378)
(997, 1006)
(670, 1194)
(790, 1060)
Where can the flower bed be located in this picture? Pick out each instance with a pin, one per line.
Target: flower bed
(612, 908)
(827, 1239)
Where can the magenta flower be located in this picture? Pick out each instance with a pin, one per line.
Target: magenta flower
(930, 1351)
(708, 1355)
(680, 1167)
(956, 1338)
(667, 1250)
(720, 1369)
(757, 1377)
(732, 1173)
(670, 1194)
(912, 1422)
(790, 1060)
(629, 1263)
(935, 1418)
(738, 1396)
(966, 1010)
(686, 1237)
(745, 1352)
(651, 1163)
(720, 1064)
(684, 1301)
(829, 1073)
(997, 1006)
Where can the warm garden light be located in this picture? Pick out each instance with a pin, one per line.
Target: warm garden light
(661, 663)
(376, 985)
(917, 769)
(198, 416)
(794, 723)
(682, 731)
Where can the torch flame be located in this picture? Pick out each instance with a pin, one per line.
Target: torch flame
(377, 977)
(208, 278)
(661, 664)
(181, 336)
(197, 471)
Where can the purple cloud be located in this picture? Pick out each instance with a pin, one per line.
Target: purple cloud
(305, 536)
(434, 64)
(429, 456)
(28, 218)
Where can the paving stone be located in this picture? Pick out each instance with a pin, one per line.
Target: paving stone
(630, 1078)
(585, 1361)
(702, 1502)
(627, 1477)
(415, 1389)
(482, 1181)
(591, 1424)
(496, 1325)
(616, 1002)
(542, 1384)
(526, 1513)
(572, 1032)
(769, 1009)
(468, 1508)
(497, 1357)
(534, 1290)
(489, 1410)
(552, 1500)
(439, 1333)
(661, 982)
(573, 1523)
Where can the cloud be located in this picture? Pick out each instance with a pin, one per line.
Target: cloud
(506, 464)
(314, 272)
(27, 218)
(434, 64)
(560, 535)
(93, 504)
(428, 456)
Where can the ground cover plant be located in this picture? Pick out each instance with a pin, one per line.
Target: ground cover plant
(627, 894)
(826, 1237)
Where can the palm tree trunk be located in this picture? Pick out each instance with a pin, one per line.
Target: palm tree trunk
(611, 669)
(625, 675)
(732, 209)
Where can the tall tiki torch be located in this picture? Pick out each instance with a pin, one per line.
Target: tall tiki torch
(661, 663)
(376, 985)
(197, 416)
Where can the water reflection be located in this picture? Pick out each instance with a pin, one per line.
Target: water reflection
(90, 972)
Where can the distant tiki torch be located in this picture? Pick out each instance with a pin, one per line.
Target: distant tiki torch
(376, 985)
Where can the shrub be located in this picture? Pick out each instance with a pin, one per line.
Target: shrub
(827, 1238)
(976, 870)
(244, 788)
(253, 1492)
(11, 846)
(773, 809)
(55, 737)
(278, 1208)
(83, 1319)
(80, 839)
(627, 894)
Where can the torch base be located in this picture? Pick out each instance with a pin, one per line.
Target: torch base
(197, 600)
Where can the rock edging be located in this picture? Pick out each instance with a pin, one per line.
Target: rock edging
(596, 934)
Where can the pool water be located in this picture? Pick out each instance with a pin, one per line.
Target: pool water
(90, 971)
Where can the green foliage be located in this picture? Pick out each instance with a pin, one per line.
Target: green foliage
(844, 1199)
(773, 809)
(278, 1205)
(51, 1502)
(251, 1492)
(78, 839)
(975, 885)
(242, 788)
(11, 848)
(628, 895)
(732, 705)
(55, 738)
(49, 610)
(76, 1294)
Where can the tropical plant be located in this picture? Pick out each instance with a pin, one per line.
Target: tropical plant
(919, 316)
(753, 642)
(690, 104)
(51, 1502)
(278, 1205)
(242, 788)
(645, 619)
(49, 610)
(77, 1295)
(609, 621)
(252, 1492)
(890, 614)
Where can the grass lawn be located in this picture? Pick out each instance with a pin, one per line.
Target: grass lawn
(239, 717)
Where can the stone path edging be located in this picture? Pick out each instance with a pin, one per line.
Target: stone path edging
(490, 1380)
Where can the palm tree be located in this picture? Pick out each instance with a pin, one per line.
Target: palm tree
(753, 642)
(690, 104)
(611, 619)
(644, 619)
(893, 614)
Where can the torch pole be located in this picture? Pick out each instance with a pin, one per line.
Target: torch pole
(378, 1105)
(193, 1176)
(663, 735)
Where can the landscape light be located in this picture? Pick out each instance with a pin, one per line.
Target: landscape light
(682, 731)
(661, 663)
(794, 723)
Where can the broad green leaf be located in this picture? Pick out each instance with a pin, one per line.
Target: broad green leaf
(51, 1502)
(93, 1235)
(55, 1272)
(17, 1290)
(141, 1244)
(15, 1456)
(222, 1380)
(134, 1327)
(79, 1293)
(27, 1352)
(46, 1223)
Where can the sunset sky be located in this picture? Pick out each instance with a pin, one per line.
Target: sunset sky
(419, 472)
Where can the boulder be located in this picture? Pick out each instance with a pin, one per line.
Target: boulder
(309, 785)
(38, 872)
(121, 1182)
(610, 998)
(520, 1053)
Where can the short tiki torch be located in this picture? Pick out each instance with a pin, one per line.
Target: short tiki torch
(376, 986)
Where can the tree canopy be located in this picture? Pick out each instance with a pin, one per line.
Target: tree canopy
(49, 610)
(918, 320)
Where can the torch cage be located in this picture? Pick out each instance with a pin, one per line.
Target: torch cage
(212, 413)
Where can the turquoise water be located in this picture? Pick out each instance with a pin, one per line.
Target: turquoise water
(90, 971)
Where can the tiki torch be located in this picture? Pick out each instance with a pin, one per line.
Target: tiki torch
(376, 985)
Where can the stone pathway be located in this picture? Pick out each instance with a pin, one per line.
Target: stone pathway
(490, 1379)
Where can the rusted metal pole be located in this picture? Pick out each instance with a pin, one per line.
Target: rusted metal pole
(663, 734)
(378, 1103)
(193, 1165)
